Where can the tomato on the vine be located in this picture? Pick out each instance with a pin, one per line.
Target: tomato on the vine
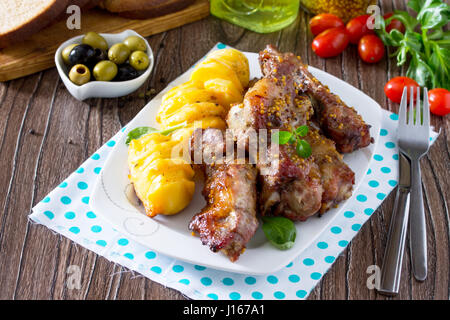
(371, 48)
(439, 99)
(330, 42)
(394, 88)
(324, 21)
(394, 24)
(357, 28)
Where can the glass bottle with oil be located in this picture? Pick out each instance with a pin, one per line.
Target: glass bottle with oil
(261, 16)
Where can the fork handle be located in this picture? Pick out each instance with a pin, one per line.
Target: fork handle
(393, 255)
(417, 224)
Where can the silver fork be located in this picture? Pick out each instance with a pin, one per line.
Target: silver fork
(413, 141)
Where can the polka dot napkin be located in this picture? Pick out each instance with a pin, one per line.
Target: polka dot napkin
(66, 210)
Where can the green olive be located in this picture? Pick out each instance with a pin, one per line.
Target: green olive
(95, 41)
(118, 53)
(105, 70)
(135, 43)
(66, 51)
(79, 74)
(139, 60)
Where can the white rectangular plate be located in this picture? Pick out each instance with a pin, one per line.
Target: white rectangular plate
(169, 235)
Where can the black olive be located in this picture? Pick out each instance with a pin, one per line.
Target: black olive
(126, 72)
(100, 55)
(82, 54)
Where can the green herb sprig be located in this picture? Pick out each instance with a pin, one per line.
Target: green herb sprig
(428, 49)
(141, 131)
(280, 231)
(302, 147)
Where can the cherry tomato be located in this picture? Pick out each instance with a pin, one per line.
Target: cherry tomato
(357, 28)
(371, 48)
(324, 21)
(394, 24)
(330, 43)
(394, 88)
(439, 99)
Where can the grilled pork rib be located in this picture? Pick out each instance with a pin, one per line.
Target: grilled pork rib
(297, 188)
(229, 220)
(339, 122)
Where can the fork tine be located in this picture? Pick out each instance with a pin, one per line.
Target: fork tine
(411, 106)
(426, 109)
(418, 109)
(402, 111)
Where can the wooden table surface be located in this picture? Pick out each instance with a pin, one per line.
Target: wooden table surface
(45, 134)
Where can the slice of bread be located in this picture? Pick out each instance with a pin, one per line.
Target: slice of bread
(22, 18)
(144, 9)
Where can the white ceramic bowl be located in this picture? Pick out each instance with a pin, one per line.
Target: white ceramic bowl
(102, 89)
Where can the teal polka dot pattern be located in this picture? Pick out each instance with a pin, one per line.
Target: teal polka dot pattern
(66, 200)
(49, 214)
(250, 280)
(361, 198)
(228, 281)
(129, 256)
(301, 294)
(272, 279)
(91, 215)
(156, 269)
(74, 218)
(294, 278)
(69, 215)
(221, 46)
(315, 275)
(235, 296)
(394, 116)
(206, 281)
(349, 214)
(82, 185)
(213, 296)
(378, 157)
(101, 243)
(96, 229)
(374, 183)
(178, 268)
(111, 143)
(322, 245)
(75, 230)
(336, 230)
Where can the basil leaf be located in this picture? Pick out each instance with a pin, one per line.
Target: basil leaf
(302, 131)
(141, 131)
(404, 17)
(440, 64)
(433, 14)
(281, 137)
(421, 72)
(280, 231)
(138, 132)
(416, 4)
(303, 148)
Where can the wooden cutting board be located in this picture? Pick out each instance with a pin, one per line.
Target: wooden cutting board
(37, 53)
